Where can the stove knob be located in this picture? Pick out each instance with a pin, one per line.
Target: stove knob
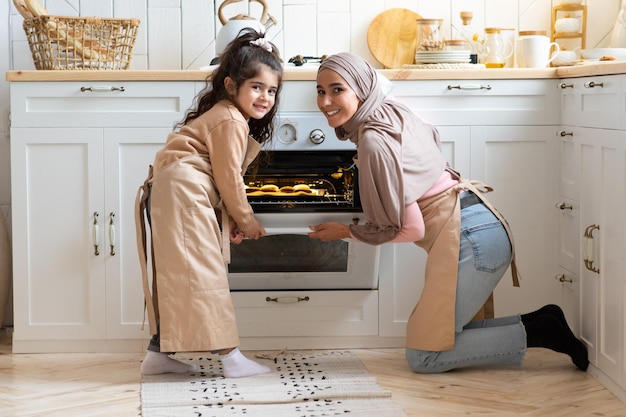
(317, 136)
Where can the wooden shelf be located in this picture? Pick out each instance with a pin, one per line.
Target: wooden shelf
(567, 8)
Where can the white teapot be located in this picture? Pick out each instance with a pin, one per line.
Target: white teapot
(235, 24)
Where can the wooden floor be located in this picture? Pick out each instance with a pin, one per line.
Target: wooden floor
(107, 385)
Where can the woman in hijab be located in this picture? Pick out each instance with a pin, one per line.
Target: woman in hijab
(410, 194)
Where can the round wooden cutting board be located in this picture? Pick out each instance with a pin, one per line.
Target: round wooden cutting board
(391, 37)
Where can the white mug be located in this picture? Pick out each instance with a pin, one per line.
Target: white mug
(535, 51)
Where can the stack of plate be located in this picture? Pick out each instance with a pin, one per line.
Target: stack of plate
(442, 57)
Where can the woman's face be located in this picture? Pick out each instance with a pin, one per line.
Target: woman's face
(335, 98)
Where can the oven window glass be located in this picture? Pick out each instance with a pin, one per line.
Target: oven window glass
(289, 253)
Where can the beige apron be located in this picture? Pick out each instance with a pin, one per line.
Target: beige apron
(190, 296)
(431, 324)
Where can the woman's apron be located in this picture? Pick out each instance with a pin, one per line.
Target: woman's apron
(431, 324)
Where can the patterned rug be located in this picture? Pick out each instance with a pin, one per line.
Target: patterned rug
(301, 384)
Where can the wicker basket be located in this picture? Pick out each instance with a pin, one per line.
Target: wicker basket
(81, 43)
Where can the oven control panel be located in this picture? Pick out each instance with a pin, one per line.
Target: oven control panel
(305, 131)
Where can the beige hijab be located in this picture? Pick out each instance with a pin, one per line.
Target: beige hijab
(399, 157)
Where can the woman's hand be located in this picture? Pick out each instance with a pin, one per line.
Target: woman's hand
(254, 230)
(329, 231)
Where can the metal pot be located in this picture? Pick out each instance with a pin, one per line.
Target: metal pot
(235, 24)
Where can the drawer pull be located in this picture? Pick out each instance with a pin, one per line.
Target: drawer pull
(469, 87)
(112, 234)
(563, 86)
(564, 206)
(102, 89)
(96, 234)
(287, 300)
(563, 278)
(591, 84)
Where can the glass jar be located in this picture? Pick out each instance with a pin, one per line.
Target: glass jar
(456, 45)
(495, 49)
(429, 35)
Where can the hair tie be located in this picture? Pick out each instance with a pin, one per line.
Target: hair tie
(262, 43)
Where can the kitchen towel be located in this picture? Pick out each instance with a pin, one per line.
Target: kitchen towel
(302, 383)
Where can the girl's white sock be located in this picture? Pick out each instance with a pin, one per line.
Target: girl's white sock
(160, 363)
(237, 366)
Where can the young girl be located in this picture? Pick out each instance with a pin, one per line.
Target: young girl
(195, 202)
(410, 194)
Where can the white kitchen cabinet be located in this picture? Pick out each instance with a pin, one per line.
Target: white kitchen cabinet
(402, 264)
(76, 270)
(603, 260)
(593, 178)
(502, 133)
(593, 102)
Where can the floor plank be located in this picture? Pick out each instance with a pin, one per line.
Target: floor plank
(107, 384)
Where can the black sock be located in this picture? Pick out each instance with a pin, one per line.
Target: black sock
(546, 330)
(547, 309)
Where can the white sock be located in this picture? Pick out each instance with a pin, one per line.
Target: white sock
(237, 366)
(160, 363)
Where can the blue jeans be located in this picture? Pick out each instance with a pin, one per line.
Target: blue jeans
(484, 257)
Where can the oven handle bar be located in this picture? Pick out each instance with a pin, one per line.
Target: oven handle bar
(287, 230)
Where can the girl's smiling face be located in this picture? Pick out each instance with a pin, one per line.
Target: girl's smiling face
(335, 98)
(256, 96)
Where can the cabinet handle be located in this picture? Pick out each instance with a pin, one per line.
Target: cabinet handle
(102, 89)
(591, 84)
(563, 278)
(589, 248)
(96, 233)
(563, 86)
(287, 300)
(469, 87)
(564, 206)
(112, 233)
(564, 133)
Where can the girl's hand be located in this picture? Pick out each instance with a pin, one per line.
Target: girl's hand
(236, 235)
(329, 231)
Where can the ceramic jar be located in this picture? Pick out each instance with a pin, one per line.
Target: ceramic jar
(567, 25)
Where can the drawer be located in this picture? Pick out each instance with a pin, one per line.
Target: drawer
(99, 104)
(593, 102)
(306, 313)
(482, 102)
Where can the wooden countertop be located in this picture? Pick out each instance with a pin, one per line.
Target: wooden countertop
(309, 73)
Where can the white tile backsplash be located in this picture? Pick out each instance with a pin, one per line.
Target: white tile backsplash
(180, 34)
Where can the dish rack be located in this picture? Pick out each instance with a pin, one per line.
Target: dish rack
(77, 43)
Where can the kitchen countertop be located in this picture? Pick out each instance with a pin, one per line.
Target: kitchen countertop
(309, 73)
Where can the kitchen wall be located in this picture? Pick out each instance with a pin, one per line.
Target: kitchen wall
(179, 34)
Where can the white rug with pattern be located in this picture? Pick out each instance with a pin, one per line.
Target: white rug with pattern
(301, 384)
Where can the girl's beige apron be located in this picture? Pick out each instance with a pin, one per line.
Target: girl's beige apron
(190, 297)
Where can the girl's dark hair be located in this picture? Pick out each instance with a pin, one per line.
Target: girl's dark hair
(240, 61)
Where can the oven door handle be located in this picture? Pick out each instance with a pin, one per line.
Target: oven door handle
(296, 230)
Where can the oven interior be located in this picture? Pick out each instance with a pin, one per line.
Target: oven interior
(304, 180)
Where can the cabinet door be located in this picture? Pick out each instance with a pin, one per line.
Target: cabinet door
(603, 203)
(57, 202)
(402, 264)
(128, 154)
(521, 164)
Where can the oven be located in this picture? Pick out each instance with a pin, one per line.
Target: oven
(308, 177)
